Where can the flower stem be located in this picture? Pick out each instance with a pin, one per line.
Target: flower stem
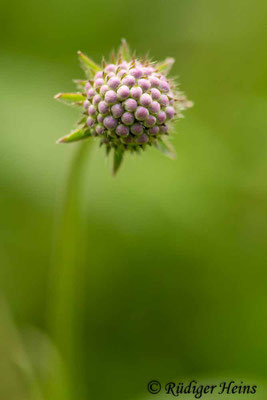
(66, 274)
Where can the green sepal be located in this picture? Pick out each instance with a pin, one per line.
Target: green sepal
(113, 58)
(124, 51)
(82, 120)
(104, 63)
(107, 146)
(165, 66)
(88, 65)
(71, 98)
(117, 160)
(165, 147)
(74, 136)
(80, 83)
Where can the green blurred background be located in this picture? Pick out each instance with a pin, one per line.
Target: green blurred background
(161, 271)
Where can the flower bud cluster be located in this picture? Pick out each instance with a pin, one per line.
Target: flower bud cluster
(129, 104)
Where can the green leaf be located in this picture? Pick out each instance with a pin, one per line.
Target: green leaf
(74, 136)
(89, 66)
(165, 147)
(71, 98)
(117, 160)
(124, 51)
(166, 65)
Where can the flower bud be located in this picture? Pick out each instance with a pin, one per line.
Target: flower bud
(164, 86)
(148, 71)
(127, 118)
(164, 100)
(98, 82)
(86, 104)
(110, 68)
(91, 110)
(128, 81)
(130, 105)
(114, 82)
(100, 118)
(103, 107)
(163, 129)
(170, 112)
(90, 122)
(117, 110)
(99, 74)
(110, 122)
(136, 92)
(96, 99)
(104, 89)
(154, 130)
(161, 117)
(144, 84)
(121, 72)
(137, 129)
(123, 92)
(141, 113)
(110, 97)
(155, 93)
(142, 139)
(90, 93)
(99, 129)
(154, 107)
(122, 130)
(123, 64)
(136, 72)
(150, 121)
(145, 100)
(155, 82)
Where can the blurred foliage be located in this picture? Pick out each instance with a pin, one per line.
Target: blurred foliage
(170, 278)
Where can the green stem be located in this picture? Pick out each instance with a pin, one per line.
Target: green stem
(66, 274)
